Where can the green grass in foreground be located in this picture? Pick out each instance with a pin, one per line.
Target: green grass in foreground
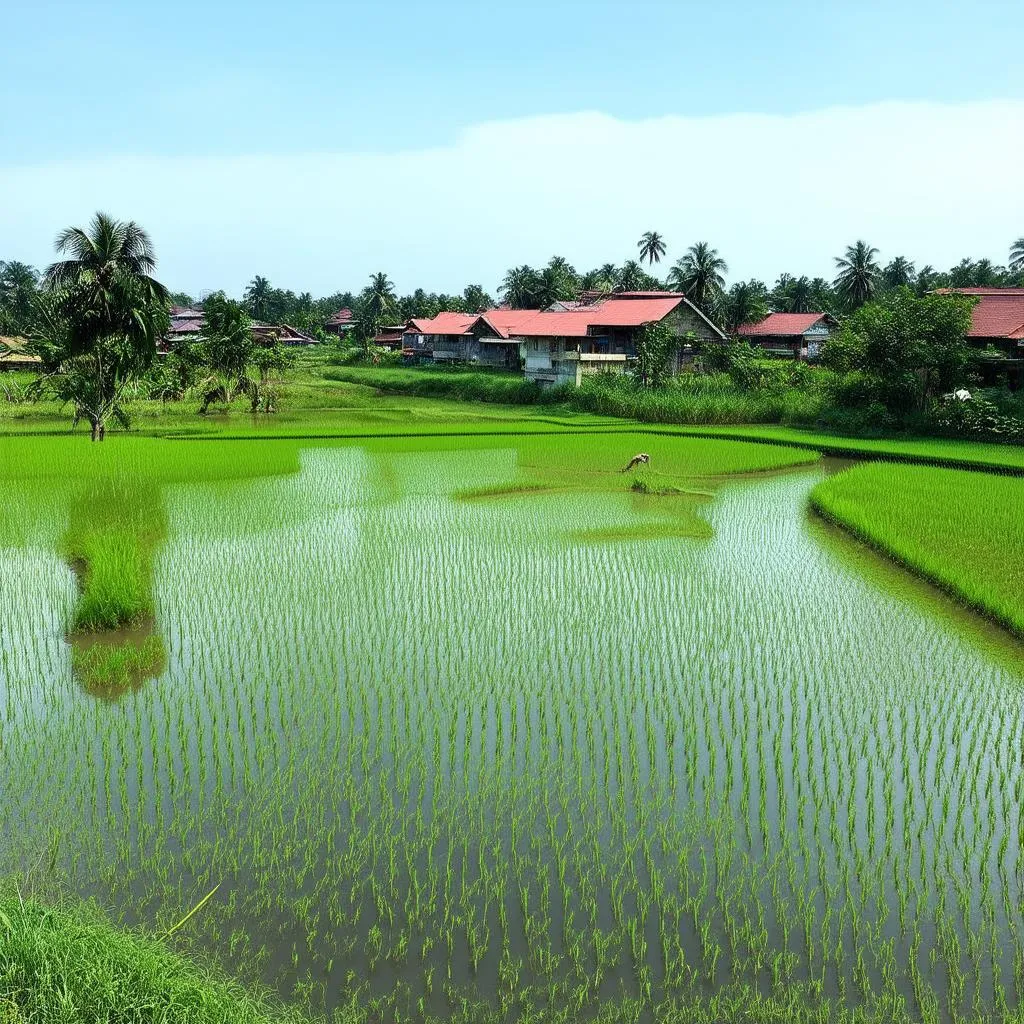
(68, 965)
(962, 531)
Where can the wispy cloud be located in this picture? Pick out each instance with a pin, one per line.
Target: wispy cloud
(930, 181)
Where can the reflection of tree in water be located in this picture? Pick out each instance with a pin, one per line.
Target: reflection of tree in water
(110, 664)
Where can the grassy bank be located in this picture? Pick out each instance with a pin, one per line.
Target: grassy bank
(690, 398)
(962, 531)
(68, 964)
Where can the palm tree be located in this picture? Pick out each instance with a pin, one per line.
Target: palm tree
(857, 280)
(18, 286)
(925, 279)
(745, 303)
(380, 302)
(985, 275)
(632, 277)
(108, 257)
(898, 273)
(1017, 256)
(257, 298)
(652, 247)
(800, 296)
(519, 287)
(102, 313)
(700, 274)
(963, 274)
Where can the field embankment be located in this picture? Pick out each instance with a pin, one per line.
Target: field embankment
(962, 531)
(68, 964)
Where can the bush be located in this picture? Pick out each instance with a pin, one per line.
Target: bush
(975, 418)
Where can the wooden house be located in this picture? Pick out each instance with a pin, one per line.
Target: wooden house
(797, 336)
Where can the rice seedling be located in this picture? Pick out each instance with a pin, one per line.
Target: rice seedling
(458, 727)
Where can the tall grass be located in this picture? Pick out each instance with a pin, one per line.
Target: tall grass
(688, 398)
(66, 963)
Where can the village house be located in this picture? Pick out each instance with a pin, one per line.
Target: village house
(481, 338)
(997, 330)
(340, 323)
(563, 343)
(790, 335)
(997, 320)
(13, 355)
(188, 323)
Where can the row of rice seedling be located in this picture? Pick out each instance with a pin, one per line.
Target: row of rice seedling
(445, 755)
(963, 531)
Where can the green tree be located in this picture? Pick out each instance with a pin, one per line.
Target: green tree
(898, 273)
(258, 298)
(476, 299)
(227, 346)
(905, 347)
(857, 280)
(655, 344)
(19, 286)
(379, 302)
(792, 295)
(746, 302)
(633, 278)
(1017, 256)
(700, 275)
(557, 282)
(519, 287)
(97, 326)
(652, 247)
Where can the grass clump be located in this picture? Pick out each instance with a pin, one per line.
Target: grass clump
(111, 670)
(960, 530)
(67, 964)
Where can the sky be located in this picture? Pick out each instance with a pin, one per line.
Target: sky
(317, 143)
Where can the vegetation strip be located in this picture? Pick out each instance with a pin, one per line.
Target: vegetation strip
(957, 530)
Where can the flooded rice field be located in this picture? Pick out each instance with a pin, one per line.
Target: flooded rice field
(442, 745)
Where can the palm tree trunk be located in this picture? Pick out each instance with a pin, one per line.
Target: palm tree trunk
(97, 428)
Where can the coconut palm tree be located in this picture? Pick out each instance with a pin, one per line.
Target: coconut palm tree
(745, 303)
(700, 274)
(898, 273)
(258, 298)
(380, 301)
(801, 296)
(1017, 256)
(652, 247)
(101, 315)
(519, 287)
(104, 259)
(19, 284)
(857, 280)
(633, 278)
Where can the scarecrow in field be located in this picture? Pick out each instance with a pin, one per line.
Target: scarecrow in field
(640, 459)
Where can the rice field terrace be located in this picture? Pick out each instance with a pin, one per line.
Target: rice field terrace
(481, 728)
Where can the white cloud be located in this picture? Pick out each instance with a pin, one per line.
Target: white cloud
(933, 182)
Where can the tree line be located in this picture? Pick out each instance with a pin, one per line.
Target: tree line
(700, 273)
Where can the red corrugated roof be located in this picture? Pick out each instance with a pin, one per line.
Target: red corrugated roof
(999, 312)
(632, 309)
(780, 325)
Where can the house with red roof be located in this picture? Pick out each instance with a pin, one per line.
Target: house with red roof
(340, 323)
(790, 335)
(997, 320)
(563, 343)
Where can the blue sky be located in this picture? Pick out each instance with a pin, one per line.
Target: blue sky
(290, 124)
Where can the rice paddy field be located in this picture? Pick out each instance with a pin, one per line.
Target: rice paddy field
(477, 727)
